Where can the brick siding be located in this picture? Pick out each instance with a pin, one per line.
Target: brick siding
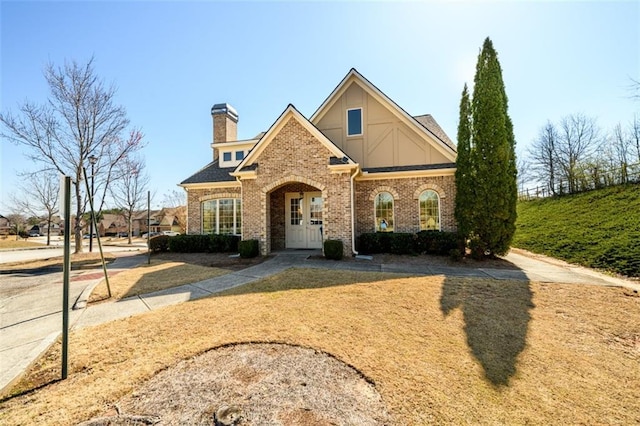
(293, 157)
(405, 207)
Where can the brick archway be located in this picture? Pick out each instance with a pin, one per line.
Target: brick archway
(273, 208)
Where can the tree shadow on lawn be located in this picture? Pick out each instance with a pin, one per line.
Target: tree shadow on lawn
(496, 316)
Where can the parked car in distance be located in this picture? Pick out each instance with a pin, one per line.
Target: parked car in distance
(86, 236)
(123, 234)
(171, 233)
(34, 233)
(151, 235)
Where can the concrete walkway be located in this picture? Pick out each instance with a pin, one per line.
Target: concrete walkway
(530, 267)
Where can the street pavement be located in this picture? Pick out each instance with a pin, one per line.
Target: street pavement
(28, 329)
(56, 250)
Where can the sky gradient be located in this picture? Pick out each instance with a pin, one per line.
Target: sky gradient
(171, 61)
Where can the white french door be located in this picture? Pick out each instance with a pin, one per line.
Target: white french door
(303, 221)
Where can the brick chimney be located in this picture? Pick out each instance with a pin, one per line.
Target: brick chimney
(225, 123)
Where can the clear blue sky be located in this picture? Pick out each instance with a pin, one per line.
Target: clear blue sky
(171, 61)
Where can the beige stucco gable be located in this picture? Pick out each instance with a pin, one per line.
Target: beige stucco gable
(390, 137)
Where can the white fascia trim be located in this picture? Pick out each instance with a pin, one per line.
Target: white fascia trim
(342, 168)
(251, 174)
(406, 174)
(205, 185)
(237, 144)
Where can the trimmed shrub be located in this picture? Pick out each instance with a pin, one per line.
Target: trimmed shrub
(401, 243)
(204, 243)
(248, 248)
(159, 243)
(438, 242)
(386, 242)
(333, 249)
(456, 255)
(189, 243)
(223, 243)
(429, 242)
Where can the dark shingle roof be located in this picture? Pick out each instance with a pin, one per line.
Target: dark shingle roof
(333, 161)
(432, 125)
(250, 167)
(410, 168)
(212, 172)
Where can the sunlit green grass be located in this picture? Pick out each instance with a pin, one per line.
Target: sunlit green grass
(598, 229)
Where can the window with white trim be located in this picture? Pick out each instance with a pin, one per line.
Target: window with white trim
(429, 204)
(222, 216)
(226, 156)
(239, 155)
(383, 206)
(354, 122)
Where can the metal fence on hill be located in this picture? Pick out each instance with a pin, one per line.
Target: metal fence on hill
(586, 180)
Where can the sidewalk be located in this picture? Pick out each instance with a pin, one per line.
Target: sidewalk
(531, 268)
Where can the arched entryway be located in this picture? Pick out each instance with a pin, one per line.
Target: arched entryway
(296, 214)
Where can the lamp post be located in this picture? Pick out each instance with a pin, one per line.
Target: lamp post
(92, 160)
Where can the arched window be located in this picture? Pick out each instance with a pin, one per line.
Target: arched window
(429, 210)
(383, 207)
(222, 216)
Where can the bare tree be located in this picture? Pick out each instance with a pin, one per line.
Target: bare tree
(542, 154)
(17, 222)
(634, 135)
(524, 171)
(578, 137)
(38, 194)
(129, 190)
(634, 88)
(620, 151)
(80, 120)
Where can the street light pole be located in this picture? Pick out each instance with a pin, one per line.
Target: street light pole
(93, 160)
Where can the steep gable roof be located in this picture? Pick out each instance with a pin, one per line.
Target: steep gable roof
(432, 125)
(432, 129)
(289, 112)
(212, 172)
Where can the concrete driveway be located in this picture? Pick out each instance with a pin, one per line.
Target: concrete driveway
(31, 310)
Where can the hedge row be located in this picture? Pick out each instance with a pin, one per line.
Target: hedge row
(213, 243)
(429, 242)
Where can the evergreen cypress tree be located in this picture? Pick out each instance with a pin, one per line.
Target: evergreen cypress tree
(464, 173)
(492, 157)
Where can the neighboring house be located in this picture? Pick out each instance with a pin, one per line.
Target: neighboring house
(165, 219)
(359, 164)
(55, 226)
(111, 224)
(5, 226)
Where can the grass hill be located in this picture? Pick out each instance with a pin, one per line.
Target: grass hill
(598, 229)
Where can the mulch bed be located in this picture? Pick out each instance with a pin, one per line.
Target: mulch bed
(254, 384)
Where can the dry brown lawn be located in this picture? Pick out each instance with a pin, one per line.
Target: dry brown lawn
(78, 261)
(169, 270)
(10, 242)
(439, 350)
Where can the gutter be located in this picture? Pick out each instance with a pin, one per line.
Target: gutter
(353, 220)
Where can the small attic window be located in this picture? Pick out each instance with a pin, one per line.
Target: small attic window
(226, 156)
(354, 122)
(239, 155)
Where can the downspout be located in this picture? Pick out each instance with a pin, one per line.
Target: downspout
(242, 201)
(186, 225)
(353, 220)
